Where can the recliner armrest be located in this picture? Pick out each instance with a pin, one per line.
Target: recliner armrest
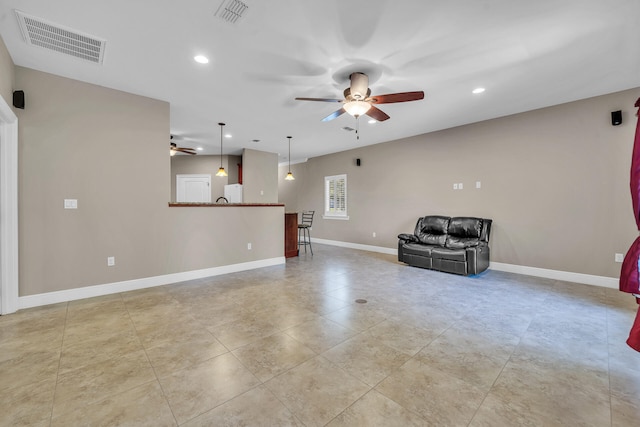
(411, 238)
(477, 258)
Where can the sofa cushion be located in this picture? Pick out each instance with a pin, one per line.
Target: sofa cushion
(450, 254)
(455, 242)
(418, 249)
(465, 227)
(432, 230)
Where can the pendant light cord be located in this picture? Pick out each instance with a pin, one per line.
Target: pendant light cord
(221, 127)
(289, 154)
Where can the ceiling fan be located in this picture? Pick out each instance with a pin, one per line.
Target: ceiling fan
(174, 149)
(358, 100)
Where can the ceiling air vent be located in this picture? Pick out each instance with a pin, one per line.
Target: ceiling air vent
(38, 32)
(231, 10)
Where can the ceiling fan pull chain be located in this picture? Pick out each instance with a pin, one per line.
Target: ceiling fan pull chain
(358, 128)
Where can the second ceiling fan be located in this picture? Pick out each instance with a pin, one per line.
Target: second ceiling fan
(174, 149)
(358, 100)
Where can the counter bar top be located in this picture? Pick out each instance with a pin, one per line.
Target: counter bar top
(224, 205)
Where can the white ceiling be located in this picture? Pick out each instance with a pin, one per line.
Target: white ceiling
(527, 54)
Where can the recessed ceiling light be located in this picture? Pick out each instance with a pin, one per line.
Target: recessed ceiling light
(199, 148)
(201, 59)
(228, 135)
(478, 90)
(372, 121)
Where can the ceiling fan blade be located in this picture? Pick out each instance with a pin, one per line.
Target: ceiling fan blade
(335, 114)
(319, 99)
(397, 97)
(185, 150)
(378, 114)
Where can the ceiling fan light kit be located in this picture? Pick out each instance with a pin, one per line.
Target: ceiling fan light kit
(357, 108)
(221, 171)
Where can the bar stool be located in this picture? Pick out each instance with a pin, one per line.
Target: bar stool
(305, 226)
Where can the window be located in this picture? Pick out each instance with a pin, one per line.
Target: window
(335, 197)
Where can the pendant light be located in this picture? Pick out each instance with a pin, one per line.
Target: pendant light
(221, 171)
(289, 176)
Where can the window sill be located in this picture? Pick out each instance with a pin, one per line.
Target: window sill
(343, 218)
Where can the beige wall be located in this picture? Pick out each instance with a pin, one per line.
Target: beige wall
(259, 176)
(290, 192)
(6, 74)
(108, 149)
(555, 182)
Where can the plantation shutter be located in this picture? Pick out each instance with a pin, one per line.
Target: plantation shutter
(335, 196)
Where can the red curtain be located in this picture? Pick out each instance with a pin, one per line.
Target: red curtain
(629, 277)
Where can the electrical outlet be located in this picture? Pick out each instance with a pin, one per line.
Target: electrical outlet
(111, 261)
(249, 246)
(478, 184)
(619, 257)
(455, 186)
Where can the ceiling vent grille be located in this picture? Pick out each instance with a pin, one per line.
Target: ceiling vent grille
(231, 10)
(38, 32)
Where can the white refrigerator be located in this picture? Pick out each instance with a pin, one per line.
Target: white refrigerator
(233, 193)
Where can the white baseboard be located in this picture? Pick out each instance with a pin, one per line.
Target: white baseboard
(379, 249)
(146, 282)
(567, 276)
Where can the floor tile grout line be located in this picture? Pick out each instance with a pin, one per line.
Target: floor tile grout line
(515, 348)
(55, 387)
(121, 391)
(164, 394)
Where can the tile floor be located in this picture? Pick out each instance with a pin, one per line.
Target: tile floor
(288, 345)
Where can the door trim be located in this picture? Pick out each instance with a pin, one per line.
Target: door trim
(8, 209)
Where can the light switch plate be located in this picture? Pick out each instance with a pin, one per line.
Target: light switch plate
(619, 257)
(71, 203)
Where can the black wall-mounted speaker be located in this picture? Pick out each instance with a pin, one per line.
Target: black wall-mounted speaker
(18, 99)
(357, 162)
(616, 118)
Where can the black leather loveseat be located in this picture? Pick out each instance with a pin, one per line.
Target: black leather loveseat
(457, 245)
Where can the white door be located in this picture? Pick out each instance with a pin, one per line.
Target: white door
(193, 188)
